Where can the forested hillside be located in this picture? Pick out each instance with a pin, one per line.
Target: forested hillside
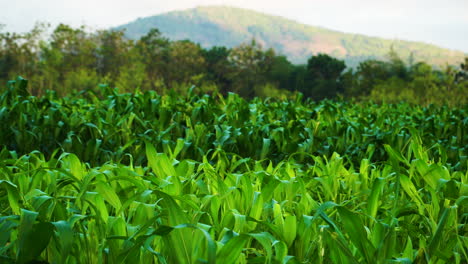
(229, 27)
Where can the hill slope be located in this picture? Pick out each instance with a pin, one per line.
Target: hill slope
(228, 26)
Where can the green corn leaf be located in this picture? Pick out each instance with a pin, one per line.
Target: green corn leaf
(231, 250)
(395, 155)
(266, 240)
(265, 148)
(373, 201)
(65, 237)
(109, 194)
(354, 227)
(438, 235)
(179, 241)
(289, 229)
(13, 195)
(410, 189)
(33, 237)
(408, 252)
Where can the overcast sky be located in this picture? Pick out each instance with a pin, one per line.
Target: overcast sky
(440, 22)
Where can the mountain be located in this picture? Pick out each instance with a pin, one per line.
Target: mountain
(229, 26)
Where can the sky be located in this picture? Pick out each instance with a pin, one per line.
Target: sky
(439, 22)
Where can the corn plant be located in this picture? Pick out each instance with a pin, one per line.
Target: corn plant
(144, 178)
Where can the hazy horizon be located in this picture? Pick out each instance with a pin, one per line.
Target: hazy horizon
(442, 24)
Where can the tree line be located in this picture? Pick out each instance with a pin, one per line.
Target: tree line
(71, 60)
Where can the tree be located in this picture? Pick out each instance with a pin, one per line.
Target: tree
(18, 52)
(9, 54)
(113, 52)
(185, 62)
(398, 67)
(153, 52)
(249, 65)
(217, 66)
(462, 74)
(280, 73)
(323, 79)
(368, 74)
(70, 54)
(75, 47)
(298, 78)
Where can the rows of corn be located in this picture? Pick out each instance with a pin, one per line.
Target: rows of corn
(104, 177)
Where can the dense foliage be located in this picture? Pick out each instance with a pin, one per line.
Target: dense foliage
(74, 60)
(109, 177)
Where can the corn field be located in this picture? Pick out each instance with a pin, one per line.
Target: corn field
(105, 177)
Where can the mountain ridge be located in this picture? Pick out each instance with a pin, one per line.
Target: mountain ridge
(231, 26)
